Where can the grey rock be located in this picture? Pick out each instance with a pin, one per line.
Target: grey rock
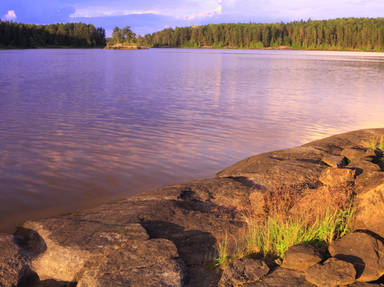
(332, 273)
(243, 271)
(364, 251)
(301, 257)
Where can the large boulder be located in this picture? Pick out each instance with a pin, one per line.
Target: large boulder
(331, 273)
(301, 257)
(369, 206)
(90, 240)
(243, 271)
(364, 251)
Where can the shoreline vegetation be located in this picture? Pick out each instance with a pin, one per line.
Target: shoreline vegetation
(345, 34)
(70, 35)
(357, 34)
(342, 34)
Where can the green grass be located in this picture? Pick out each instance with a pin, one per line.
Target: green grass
(376, 144)
(222, 252)
(272, 237)
(381, 143)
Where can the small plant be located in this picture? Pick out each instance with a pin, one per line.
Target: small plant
(222, 257)
(376, 143)
(381, 144)
(272, 236)
(372, 144)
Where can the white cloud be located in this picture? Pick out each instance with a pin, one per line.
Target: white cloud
(188, 10)
(216, 9)
(105, 12)
(11, 15)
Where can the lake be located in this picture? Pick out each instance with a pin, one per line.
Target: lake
(81, 127)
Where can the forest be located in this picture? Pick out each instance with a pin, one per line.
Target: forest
(18, 35)
(362, 34)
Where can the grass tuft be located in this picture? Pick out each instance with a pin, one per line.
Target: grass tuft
(381, 143)
(270, 237)
(376, 143)
(222, 257)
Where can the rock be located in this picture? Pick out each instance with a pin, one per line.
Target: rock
(337, 176)
(297, 166)
(139, 264)
(369, 207)
(332, 273)
(335, 160)
(283, 278)
(301, 257)
(364, 251)
(243, 271)
(362, 284)
(188, 215)
(257, 201)
(74, 250)
(13, 265)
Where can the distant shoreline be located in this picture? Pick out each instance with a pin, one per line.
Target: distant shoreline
(194, 48)
(273, 49)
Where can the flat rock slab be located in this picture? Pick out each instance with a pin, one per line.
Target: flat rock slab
(76, 248)
(301, 257)
(332, 273)
(283, 278)
(243, 271)
(140, 264)
(364, 251)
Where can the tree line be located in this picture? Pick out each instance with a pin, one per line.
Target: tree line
(338, 34)
(21, 35)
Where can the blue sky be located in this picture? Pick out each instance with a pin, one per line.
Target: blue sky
(146, 16)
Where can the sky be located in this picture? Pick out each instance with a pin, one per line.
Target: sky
(147, 16)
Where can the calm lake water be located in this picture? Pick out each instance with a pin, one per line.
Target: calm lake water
(79, 127)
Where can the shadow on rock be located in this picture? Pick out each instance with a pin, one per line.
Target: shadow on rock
(33, 280)
(357, 262)
(29, 242)
(197, 249)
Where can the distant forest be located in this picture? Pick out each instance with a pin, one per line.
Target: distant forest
(362, 34)
(18, 35)
(340, 34)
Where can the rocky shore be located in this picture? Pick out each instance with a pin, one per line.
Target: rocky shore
(168, 237)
